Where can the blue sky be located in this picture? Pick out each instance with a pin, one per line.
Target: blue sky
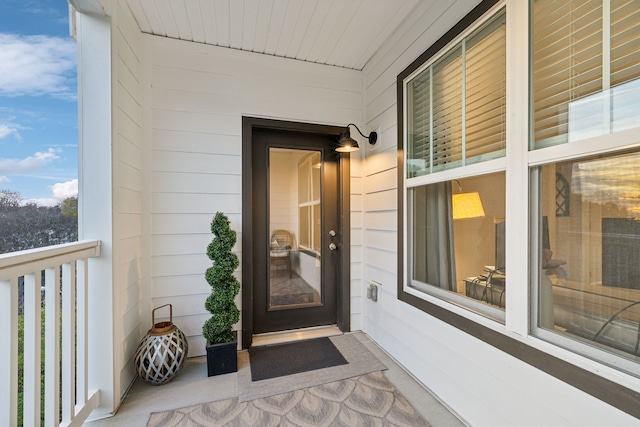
(38, 101)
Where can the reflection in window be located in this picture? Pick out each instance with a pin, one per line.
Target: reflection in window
(456, 233)
(563, 200)
(589, 270)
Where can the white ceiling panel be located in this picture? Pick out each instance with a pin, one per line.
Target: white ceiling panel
(344, 33)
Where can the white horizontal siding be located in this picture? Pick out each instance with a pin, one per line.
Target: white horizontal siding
(199, 95)
(195, 142)
(127, 193)
(188, 223)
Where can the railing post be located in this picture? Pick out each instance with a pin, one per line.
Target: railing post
(82, 386)
(9, 352)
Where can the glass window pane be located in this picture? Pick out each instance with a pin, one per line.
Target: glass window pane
(586, 66)
(315, 176)
(625, 33)
(447, 111)
(589, 287)
(304, 181)
(457, 240)
(304, 224)
(309, 186)
(316, 227)
(419, 134)
(456, 106)
(486, 92)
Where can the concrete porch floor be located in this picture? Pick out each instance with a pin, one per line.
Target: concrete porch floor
(191, 386)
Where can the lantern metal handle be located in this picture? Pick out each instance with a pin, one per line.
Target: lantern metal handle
(162, 326)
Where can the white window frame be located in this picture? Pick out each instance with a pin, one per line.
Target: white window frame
(419, 289)
(608, 143)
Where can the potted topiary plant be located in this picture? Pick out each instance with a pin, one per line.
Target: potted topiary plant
(222, 341)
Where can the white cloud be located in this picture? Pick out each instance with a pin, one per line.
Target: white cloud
(4, 178)
(37, 65)
(60, 192)
(8, 129)
(40, 202)
(29, 164)
(64, 190)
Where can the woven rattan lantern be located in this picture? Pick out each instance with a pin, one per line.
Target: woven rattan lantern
(162, 351)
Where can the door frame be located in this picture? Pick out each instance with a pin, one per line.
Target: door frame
(343, 290)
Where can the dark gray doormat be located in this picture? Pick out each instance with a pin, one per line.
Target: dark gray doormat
(271, 361)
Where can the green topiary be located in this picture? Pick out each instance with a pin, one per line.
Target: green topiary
(224, 286)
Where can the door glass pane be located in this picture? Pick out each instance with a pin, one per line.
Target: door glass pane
(294, 229)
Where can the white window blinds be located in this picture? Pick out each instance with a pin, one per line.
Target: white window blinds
(456, 106)
(485, 93)
(625, 33)
(581, 51)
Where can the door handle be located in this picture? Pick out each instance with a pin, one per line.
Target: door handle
(332, 246)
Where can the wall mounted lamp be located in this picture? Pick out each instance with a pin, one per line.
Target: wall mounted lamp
(466, 205)
(348, 144)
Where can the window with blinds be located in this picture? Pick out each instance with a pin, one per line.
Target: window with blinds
(585, 60)
(456, 105)
(309, 170)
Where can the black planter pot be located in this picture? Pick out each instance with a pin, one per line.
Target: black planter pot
(222, 358)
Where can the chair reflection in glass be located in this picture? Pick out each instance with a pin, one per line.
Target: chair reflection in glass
(496, 281)
(280, 247)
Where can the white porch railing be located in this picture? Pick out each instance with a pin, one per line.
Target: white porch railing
(67, 399)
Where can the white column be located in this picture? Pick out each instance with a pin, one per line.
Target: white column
(95, 200)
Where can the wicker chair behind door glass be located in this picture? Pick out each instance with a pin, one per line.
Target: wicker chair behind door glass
(280, 248)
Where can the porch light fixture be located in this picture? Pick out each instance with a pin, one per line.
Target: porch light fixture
(348, 144)
(466, 205)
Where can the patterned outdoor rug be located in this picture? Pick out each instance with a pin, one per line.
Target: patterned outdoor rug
(367, 400)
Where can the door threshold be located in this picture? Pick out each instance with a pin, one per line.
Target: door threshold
(295, 335)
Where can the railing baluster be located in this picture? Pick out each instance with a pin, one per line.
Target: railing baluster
(9, 352)
(52, 347)
(68, 341)
(81, 332)
(32, 348)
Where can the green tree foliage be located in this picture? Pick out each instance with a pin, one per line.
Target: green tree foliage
(69, 207)
(224, 286)
(31, 226)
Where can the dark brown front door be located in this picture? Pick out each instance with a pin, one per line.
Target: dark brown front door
(296, 232)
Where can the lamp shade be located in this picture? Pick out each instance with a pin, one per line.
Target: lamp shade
(347, 144)
(467, 205)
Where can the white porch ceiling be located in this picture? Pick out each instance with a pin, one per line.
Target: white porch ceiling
(343, 33)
